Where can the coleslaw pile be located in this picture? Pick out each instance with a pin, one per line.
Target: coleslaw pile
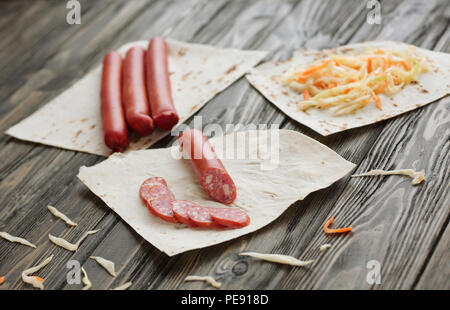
(347, 83)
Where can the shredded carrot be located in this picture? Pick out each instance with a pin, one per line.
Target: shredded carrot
(405, 65)
(317, 68)
(378, 101)
(369, 65)
(39, 279)
(348, 78)
(320, 84)
(2, 279)
(382, 88)
(328, 230)
(306, 95)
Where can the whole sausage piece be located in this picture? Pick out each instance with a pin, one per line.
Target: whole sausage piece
(158, 85)
(137, 109)
(113, 117)
(212, 174)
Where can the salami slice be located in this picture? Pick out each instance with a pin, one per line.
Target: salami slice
(154, 181)
(180, 211)
(158, 198)
(149, 192)
(229, 217)
(162, 208)
(200, 216)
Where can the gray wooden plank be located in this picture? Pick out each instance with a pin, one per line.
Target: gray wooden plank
(436, 274)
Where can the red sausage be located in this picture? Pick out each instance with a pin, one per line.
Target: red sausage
(229, 217)
(212, 174)
(200, 216)
(158, 85)
(137, 109)
(113, 117)
(180, 211)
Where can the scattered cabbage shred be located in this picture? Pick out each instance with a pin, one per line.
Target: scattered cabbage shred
(61, 216)
(324, 247)
(417, 177)
(123, 286)
(10, 238)
(107, 264)
(34, 280)
(278, 258)
(85, 280)
(208, 279)
(70, 246)
(347, 83)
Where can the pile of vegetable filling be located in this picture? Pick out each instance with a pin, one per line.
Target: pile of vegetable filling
(347, 83)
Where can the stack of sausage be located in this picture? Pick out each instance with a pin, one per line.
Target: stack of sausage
(215, 180)
(136, 92)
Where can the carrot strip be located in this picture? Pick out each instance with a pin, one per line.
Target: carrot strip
(320, 84)
(405, 65)
(382, 88)
(369, 65)
(328, 230)
(301, 80)
(2, 279)
(377, 99)
(39, 279)
(314, 69)
(306, 95)
(379, 51)
(332, 85)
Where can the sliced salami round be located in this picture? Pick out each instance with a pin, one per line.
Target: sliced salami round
(149, 193)
(200, 216)
(180, 211)
(229, 217)
(163, 209)
(154, 181)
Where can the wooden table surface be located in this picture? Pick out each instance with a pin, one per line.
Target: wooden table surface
(403, 227)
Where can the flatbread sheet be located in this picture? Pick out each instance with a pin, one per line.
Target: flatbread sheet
(430, 86)
(73, 121)
(271, 169)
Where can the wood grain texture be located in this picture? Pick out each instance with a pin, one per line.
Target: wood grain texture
(405, 228)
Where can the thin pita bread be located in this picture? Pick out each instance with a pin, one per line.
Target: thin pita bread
(431, 86)
(197, 73)
(265, 190)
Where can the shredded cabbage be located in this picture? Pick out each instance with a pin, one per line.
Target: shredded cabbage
(346, 83)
